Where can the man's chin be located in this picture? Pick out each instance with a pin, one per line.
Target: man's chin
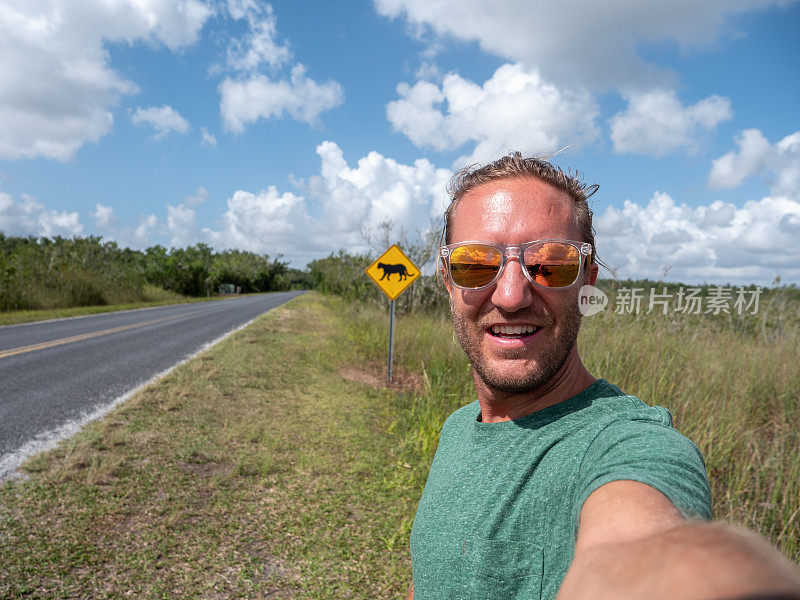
(510, 375)
(510, 382)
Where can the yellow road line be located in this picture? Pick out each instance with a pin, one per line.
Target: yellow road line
(86, 336)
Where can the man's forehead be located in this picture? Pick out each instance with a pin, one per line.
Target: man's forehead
(500, 202)
(516, 198)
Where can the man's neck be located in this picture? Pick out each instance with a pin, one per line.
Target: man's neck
(498, 406)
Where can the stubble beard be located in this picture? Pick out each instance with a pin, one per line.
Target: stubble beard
(548, 364)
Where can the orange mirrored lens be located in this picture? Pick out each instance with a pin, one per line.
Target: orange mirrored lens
(553, 264)
(474, 265)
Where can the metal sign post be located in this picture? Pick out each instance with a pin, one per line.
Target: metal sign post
(391, 340)
(392, 262)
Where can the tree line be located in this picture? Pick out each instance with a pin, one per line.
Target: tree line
(61, 272)
(83, 271)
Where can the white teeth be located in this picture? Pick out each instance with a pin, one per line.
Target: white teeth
(513, 329)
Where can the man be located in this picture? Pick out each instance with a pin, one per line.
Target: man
(552, 473)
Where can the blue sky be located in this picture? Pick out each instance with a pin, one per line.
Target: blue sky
(300, 127)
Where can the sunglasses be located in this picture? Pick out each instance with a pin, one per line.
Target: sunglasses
(548, 263)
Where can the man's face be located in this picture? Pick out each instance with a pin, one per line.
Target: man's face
(514, 211)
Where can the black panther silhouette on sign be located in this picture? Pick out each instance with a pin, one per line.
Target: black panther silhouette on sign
(401, 271)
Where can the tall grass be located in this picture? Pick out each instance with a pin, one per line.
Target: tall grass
(731, 383)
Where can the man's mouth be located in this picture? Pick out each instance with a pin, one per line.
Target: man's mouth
(513, 331)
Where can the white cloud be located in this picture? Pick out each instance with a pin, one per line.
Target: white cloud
(730, 170)
(57, 90)
(338, 206)
(147, 231)
(29, 217)
(578, 42)
(377, 190)
(180, 226)
(103, 216)
(428, 70)
(209, 139)
(715, 243)
(163, 120)
(176, 229)
(656, 123)
(755, 156)
(143, 234)
(200, 196)
(514, 109)
(258, 46)
(267, 221)
(251, 95)
(244, 101)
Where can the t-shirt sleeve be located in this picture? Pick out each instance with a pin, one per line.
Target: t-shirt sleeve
(651, 453)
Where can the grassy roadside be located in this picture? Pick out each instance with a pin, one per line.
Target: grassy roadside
(256, 470)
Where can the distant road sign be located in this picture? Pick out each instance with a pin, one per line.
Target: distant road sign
(393, 272)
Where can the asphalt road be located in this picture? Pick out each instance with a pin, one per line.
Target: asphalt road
(56, 375)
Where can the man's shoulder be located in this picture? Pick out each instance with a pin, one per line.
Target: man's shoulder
(463, 416)
(631, 440)
(603, 403)
(600, 405)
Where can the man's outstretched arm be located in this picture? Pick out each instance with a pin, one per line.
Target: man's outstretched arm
(633, 543)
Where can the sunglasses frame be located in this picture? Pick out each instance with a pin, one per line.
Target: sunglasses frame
(515, 251)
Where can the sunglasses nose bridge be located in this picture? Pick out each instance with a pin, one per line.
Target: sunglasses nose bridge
(512, 253)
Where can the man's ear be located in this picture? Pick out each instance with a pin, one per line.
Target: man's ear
(591, 274)
(442, 273)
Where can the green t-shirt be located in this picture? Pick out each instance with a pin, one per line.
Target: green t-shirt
(500, 511)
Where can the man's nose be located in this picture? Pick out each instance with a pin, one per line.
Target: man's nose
(512, 291)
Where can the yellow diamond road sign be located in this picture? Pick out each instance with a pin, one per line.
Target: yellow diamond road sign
(393, 272)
